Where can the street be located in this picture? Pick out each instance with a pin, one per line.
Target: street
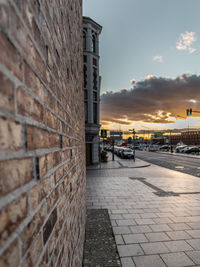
(174, 162)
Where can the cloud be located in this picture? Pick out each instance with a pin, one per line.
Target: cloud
(133, 81)
(158, 59)
(185, 42)
(154, 100)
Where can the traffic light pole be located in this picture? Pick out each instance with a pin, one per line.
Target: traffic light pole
(113, 148)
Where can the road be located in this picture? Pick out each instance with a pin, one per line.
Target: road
(175, 162)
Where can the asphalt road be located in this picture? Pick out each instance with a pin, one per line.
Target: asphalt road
(175, 162)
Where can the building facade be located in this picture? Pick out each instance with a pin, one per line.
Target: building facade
(91, 32)
(42, 134)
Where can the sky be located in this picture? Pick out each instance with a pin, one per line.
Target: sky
(149, 62)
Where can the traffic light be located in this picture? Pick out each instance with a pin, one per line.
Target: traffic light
(189, 112)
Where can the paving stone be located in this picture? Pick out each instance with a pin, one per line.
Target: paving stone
(154, 248)
(162, 220)
(195, 243)
(125, 222)
(154, 237)
(194, 255)
(195, 225)
(131, 216)
(129, 250)
(176, 246)
(179, 226)
(148, 215)
(134, 238)
(127, 262)
(176, 259)
(194, 233)
(144, 221)
(119, 240)
(121, 230)
(149, 261)
(116, 216)
(177, 235)
(140, 229)
(160, 227)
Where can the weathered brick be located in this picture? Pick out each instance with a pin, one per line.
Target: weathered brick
(54, 140)
(15, 173)
(38, 193)
(6, 93)
(52, 120)
(10, 56)
(11, 216)
(49, 225)
(11, 256)
(51, 200)
(37, 138)
(33, 82)
(10, 135)
(32, 229)
(45, 164)
(4, 14)
(33, 253)
(56, 158)
(28, 106)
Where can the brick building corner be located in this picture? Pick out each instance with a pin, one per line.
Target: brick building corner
(42, 157)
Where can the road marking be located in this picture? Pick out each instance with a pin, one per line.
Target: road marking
(179, 167)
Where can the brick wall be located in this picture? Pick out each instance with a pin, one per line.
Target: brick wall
(42, 157)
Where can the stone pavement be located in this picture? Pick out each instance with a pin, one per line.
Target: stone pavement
(154, 211)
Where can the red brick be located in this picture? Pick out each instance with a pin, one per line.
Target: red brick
(11, 256)
(52, 120)
(38, 193)
(54, 140)
(28, 106)
(37, 138)
(10, 56)
(6, 93)
(33, 82)
(33, 253)
(4, 14)
(45, 164)
(51, 200)
(32, 229)
(11, 216)
(10, 135)
(15, 173)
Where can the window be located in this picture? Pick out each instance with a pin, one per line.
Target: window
(94, 62)
(85, 59)
(84, 40)
(94, 78)
(85, 75)
(85, 94)
(93, 43)
(86, 112)
(95, 113)
(94, 96)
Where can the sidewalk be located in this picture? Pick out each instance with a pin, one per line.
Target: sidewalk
(119, 163)
(154, 211)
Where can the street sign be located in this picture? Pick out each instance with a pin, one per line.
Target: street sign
(104, 133)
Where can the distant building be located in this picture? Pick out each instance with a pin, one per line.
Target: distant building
(187, 137)
(91, 32)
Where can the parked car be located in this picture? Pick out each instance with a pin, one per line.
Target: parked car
(127, 153)
(180, 148)
(185, 149)
(194, 149)
(165, 148)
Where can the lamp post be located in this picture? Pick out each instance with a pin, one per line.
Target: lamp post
(133, 132)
